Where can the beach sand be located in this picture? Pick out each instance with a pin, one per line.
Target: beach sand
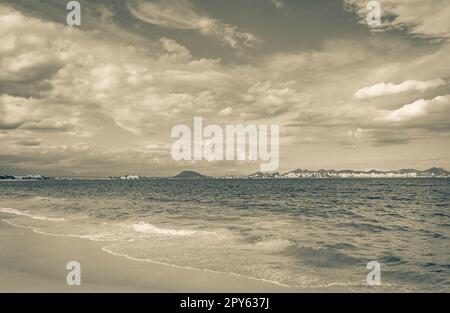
(32, 262)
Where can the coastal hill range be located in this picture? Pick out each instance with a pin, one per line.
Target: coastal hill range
(434, 172)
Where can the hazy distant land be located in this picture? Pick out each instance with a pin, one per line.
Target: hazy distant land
(434, 172)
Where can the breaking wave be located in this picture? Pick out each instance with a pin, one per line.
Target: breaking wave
(143, 227)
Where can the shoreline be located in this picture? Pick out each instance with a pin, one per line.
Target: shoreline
(34, 262)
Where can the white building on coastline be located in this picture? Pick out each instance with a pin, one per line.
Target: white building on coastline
(131, 177)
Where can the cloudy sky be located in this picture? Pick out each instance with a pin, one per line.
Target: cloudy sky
(101, 98)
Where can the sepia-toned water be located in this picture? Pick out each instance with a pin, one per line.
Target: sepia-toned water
(306, 233)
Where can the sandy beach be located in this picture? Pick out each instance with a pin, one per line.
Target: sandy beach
(31, 262)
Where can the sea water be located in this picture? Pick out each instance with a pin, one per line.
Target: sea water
(303, 233)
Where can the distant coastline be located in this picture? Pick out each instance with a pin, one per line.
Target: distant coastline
(403, 173)
(434, 172)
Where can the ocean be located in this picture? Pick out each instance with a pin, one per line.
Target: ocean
(302, 233)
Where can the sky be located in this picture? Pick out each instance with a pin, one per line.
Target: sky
(101, 98)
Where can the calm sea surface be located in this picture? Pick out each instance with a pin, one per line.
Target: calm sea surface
(302, 233)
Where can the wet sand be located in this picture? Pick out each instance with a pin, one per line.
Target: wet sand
(31, 262)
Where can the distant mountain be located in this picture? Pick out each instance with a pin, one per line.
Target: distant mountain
(436, 171)
(322, 173)
(407, 171)
(189, 175)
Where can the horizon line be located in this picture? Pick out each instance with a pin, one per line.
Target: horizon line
(223, 175)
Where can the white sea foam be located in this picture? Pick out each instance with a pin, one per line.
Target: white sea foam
(147, 227)
(27, 214)
(274, 244)
(108, 249)
(92, 237)
(143, 227)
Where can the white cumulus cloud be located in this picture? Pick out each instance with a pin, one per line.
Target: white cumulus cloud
(417, 109)
(382, 89)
